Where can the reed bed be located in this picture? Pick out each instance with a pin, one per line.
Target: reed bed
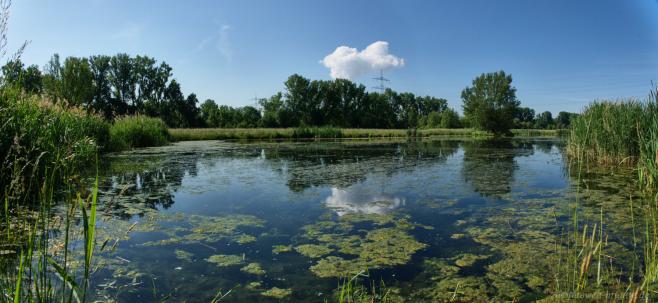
(619, 132)
(137, 131)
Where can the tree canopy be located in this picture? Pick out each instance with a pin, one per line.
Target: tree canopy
(490, 104)
(125, 85)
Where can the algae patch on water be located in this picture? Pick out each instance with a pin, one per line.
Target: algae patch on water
(195, 228)
(277, 249)
(388, 243)
(277, 293)
(254, 269)
(183, 255)
(225, 260)
(313, 251)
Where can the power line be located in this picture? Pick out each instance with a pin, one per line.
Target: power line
(382, 80)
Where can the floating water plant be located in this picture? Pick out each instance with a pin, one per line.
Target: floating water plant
(313, 251)
(225, 260)
(467, 260)
(183, 255)
(277, 293)
(253, 268)
(277, 249)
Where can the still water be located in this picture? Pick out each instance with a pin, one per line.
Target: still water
(433, 220)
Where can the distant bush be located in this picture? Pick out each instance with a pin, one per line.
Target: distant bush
(39, 138)
(137, 131)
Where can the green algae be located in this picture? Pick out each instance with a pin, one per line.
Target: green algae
(313, 251)
(195, 228)
(254, 285)
(333, 266)
(183, 255)
(388, 247)
(467, 260)
(277, 293)
(278, 249)
(253, 268)
(244, 239)
(225, 260)
(457, 236)
(388, 244)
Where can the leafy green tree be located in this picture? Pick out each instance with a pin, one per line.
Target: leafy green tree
(249, 117)
(52, 78)
(297, 96)
(12, 72)
(524, 117)
(564, 119)
(32, 80)
(434, 119)
(173, 99)
(102, 100)
(544, 120)
(272, 111)
(77, 82)
(29, 80)
(209, 113)
(490, 104)
(450, 119)
(124, 81)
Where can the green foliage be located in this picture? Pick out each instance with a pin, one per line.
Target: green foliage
(137, 131)
(544, 120)
(563, 120)
(28, 79)
(37, 135)
(619, 132)
(450, 119)
(490, 104)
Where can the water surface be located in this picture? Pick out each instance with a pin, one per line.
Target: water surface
(435, 220)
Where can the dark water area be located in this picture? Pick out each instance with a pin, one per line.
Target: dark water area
(436, 220)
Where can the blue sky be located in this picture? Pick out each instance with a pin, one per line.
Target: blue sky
(561, 53)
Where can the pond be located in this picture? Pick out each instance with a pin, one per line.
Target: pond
(432, 220)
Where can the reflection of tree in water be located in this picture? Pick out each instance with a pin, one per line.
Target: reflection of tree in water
(544, 146)
(134, 183)
(343, 164)
(489, 165)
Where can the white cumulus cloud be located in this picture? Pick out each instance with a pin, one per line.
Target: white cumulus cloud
(348, 62)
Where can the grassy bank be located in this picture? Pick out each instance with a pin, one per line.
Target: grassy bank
(618, 132)
(37, 136)
(195, 134)
(40, 139)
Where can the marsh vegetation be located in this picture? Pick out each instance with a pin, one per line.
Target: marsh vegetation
(394, 220)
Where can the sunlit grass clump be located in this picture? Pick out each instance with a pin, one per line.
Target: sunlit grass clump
(37, 135)
(618, 132)
(138, 131)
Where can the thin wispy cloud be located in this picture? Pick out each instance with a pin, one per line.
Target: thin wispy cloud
(219, 41)
(128, 31)
(349, 63)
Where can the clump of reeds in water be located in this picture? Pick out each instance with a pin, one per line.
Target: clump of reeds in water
(618, 132)
(137, 131)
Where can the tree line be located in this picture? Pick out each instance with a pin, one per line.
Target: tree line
(121, 85)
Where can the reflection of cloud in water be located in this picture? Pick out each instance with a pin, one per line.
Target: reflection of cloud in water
(361, 201)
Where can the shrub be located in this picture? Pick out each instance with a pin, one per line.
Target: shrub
(137, 131)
